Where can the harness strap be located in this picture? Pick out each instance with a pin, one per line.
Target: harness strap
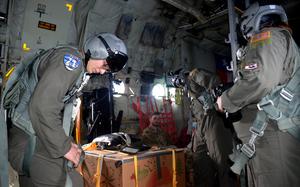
(288, 92)
(268, 110)
(3, 150)
(68, 120)
(247, 151)
(69, 182)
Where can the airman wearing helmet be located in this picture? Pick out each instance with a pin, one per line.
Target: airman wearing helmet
(268, 62)
(105, 52)
(56, 76)
(210, 136)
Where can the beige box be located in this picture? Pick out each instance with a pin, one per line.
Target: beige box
(163, 168)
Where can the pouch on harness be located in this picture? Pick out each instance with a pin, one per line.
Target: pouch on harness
(281, 105)
(17, 94)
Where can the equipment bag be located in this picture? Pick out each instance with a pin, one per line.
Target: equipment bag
(18, 90)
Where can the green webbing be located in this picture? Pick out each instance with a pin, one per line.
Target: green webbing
(239, 163)
(67, 119)
(3, 151)
(247, 151)
(68, 181)
(295, 131)
(287, 104)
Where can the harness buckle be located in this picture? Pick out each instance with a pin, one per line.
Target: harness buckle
(276, 118)
(248, 150)
(258, 132)
(286, 94)
(263, 104)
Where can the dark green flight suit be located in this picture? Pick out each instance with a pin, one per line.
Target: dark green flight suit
(46, 113)
(268, 62)
(212, 136)
(211, 141)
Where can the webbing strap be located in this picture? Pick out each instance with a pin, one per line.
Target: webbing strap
(239, 163)
(67, 118)
(259, 125)
(68, 111)
(287, 93)
(295, 131)
(247, 151)
(80, 83)
(174, 168)
(267, 105)
(69, 182)
(135, 159)
(285, 123)
(99, 171)
(291, 86)
(3, 150)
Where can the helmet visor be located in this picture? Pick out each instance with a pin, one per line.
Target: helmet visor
(116, 61)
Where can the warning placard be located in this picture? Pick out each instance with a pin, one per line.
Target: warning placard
(46, 25)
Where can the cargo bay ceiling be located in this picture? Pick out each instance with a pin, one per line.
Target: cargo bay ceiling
(160, 34)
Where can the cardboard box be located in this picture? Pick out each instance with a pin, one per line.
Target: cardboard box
(154, 169)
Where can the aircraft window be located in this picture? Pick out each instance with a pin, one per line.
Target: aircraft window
(158, 90)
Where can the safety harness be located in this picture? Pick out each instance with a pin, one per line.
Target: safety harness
(281, 105)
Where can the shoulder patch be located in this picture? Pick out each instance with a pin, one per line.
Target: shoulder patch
(261, 39)
(261, 36)
(71, 62)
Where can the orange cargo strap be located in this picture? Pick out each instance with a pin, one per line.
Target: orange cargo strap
(136, 170)
(99, 171)
(174, 168)
(77, 126)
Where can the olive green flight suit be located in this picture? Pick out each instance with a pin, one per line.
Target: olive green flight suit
(46, 114)
(211, 137)
(211, 141)
(269, 60)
